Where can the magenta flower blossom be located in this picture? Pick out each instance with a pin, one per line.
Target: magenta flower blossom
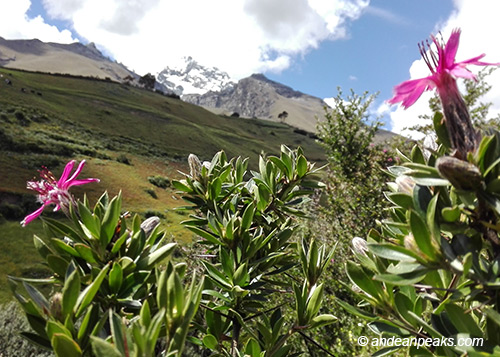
(444, 71)
(52, 191)
(442, 66)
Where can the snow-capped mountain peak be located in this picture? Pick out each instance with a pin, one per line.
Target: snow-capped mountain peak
(190, 77)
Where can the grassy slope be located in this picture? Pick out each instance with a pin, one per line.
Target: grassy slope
(58, 118)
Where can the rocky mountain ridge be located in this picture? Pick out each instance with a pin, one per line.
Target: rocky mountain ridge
(259, 97)
(190, 77)
(74, 59)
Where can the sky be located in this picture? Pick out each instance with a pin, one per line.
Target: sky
(313, 46)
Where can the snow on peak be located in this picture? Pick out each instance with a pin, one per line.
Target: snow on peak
(189, 77)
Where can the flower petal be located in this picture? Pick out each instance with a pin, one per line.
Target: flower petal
(81, 182)
(462, 72)
(32, 216)
(65, 174)
(409, 91)
(450, 51)
(77, 172)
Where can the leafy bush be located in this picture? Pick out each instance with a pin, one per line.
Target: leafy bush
(116, 292)
(246, 228)
(159, 181)
(122, 158)
(106, 270)
(152, 193)
(430, 272)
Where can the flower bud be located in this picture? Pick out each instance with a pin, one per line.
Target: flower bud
(405, 184)
(149, 224)
(359, 245)
(56, 306)
(461, 174)
(410, 244)
(194, 166)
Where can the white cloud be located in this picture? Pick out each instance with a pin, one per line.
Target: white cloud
(15, 24)
(478, 20)
(238, 36)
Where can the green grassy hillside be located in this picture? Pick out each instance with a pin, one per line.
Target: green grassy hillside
(44, 118)
(126, 134)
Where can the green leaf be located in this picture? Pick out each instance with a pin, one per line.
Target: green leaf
(156, 257)
(70, 292)
(101, 348)
(90, 318)
(287, 161)
(36, 296)
(117, 330)
(322, 320)
(37, 340)
(301, 166)
(115, 277)
(247, 218)
(210, 342)
(85, 252)
(400, 199)
(462, 321)
(63, 247)
(432, 221)
(362, 280)
(422, 235)
(240, 276)
(403, 304)
(42, 248)
(441, 131)
(64, 346)
(215, 189)
(252, 348)
(216, 275)
(87, 295)
(110, 220)
(58, 264)
(392, 252)
(181, 186)
(430, 181)
(119, 242)
(61, 229)
(417, 156)
(204, 234)
(54, 327)
(380, 327)
(216, 294)
(89, 220)
(402, 279)
(451, 214)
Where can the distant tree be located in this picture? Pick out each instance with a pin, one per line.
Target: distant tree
(282, 116)
(148, 81)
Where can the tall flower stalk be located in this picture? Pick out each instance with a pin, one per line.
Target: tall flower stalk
(51, 191)
(444, 71)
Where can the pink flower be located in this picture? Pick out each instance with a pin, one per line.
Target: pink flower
(444, 71)
(51, 191)
(442, 66)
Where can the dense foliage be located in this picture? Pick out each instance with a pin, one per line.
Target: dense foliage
(116, 292)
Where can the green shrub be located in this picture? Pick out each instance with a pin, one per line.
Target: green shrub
(151, 192)
(122, 158)
(159, 181)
